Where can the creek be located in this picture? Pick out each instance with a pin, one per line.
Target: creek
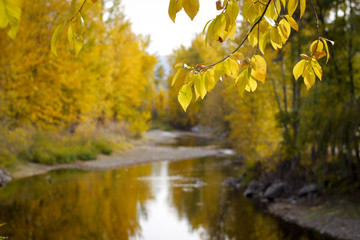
(169, 200)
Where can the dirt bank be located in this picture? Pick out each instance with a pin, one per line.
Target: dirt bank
(148, 150)
(339, 218)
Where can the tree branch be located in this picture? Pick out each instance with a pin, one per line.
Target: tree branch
(242, 42)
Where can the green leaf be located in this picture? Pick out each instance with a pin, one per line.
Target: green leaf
(191, 7)
(185, 96)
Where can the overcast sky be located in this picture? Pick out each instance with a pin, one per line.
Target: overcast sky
(151, 17)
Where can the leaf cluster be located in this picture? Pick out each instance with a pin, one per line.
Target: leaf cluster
(270, 22)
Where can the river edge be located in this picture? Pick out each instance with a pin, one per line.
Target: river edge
(321, 215)
(336, 217)
(154, 147)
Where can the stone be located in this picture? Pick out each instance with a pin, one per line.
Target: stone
(233, 182)
(275, 190)
(309, 190)
(4, 177)
(254, 189)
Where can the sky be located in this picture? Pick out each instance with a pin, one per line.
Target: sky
(150, 17)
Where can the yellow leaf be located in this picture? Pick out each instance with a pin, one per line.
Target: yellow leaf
(292, 22)
(253, 38)
(209, 79)
(176, 76)
(316, 47)
(291, 6)
(242, 81)
(302, 7)
(231, 31)
(251, 86)
(298, 69)
(218, 71)
(219, 27)
(191, 7)
(272, 11)
(10, 13)
(258, 68)
(317, 68)
(237, 56)
(275, 38)
(55, 37)
(174, 7)
(285, 30)
(263, 39)
(326, 48)
(199, 83)
(207, 23)
(185, 96)
(71, 37)
(79, 43)
(309, 77)
(231, 67)
(232, 10)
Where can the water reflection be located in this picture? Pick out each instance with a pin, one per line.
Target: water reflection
(73, 205)
(222, 212)
(177, 200)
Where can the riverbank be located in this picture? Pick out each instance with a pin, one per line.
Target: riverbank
(337, 217)
(154, 147)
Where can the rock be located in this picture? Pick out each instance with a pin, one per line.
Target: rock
(275, 190)
(254, 189)
(4, 177)
(233, 182)
(309, 190)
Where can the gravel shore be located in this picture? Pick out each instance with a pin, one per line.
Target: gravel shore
(154, 147)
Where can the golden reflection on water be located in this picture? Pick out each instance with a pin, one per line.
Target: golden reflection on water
(73, 205)
(183, 200)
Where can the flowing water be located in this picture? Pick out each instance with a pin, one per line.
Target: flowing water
(163, 201)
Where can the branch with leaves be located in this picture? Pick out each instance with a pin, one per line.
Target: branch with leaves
(75, 26)
(271, 22)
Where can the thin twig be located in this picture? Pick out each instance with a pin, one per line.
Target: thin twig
(316, 18)
(78, 11)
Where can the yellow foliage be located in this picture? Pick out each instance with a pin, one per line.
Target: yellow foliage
(111, 79)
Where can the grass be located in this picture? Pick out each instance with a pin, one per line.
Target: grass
(49, 149)
(86, 142)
